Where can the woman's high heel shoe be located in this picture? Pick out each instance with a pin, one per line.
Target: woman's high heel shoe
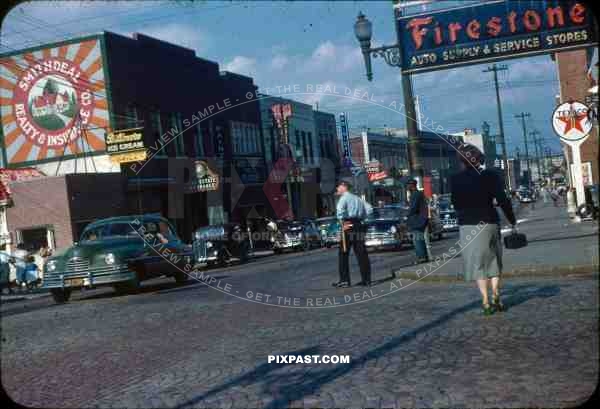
(497, 304)
(487, 310)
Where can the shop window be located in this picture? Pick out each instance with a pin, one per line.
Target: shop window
(176, 135)
(304, 152)
(34, 238)
(199, 141)
(310, 148)
(157, 131)
(132, 116)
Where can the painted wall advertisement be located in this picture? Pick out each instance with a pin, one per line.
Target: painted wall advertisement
(47, 96)
(493, 31)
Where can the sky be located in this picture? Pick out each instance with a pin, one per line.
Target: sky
(282, 43)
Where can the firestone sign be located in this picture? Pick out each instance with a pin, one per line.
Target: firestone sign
(492, 31)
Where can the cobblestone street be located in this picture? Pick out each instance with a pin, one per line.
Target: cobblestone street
(191, 346)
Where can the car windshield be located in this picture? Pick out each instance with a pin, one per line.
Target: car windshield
(385, 214)
(289, 224)
(109, 231)
(444, 205)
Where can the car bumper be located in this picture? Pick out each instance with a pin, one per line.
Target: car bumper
(290, 244)
(450, 227)
(372, 242)
(91, 278)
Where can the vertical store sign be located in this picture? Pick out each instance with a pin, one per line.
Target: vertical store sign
(48, 95)
(346, 149)
(281, 113)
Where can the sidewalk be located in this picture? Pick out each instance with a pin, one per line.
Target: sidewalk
(556, 246)
(18, 296)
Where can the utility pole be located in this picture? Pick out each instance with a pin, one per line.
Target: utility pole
(534, 134)
(524, 115)
(495, 68)
(412, 127)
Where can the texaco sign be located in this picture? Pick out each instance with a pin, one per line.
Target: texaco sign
(49, 95)
(571, 121)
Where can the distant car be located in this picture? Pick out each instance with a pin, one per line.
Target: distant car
(295, 234)
(220, 245)
(386, 228)
(525, 196)
(447, 215)
(323, 224)
(436, 228)
(333, 234)
(121, 252)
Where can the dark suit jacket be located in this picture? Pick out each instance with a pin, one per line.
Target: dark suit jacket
(417, 215)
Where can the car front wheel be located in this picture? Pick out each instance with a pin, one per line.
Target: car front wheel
(181, 277)
(128, 287)
(61, 295)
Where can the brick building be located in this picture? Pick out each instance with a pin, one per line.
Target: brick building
(575, 84)
(184, 104)
(52, 211)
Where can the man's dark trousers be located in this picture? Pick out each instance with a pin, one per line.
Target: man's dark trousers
(355, 239)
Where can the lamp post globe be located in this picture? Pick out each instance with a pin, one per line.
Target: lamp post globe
(363, 30)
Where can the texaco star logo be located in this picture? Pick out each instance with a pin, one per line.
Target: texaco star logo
(571, 121)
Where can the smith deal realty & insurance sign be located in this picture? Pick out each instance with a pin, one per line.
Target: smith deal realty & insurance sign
(49, 94)
(493, 31)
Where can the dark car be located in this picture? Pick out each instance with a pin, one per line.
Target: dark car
(447, 215)
(329, 228)
(121, 252)
(221, 244)
(295, 234)
(386, 228)
(526, 196)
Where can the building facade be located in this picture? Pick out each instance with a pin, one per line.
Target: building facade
(66, 97)
(310, 137)
(576, 85)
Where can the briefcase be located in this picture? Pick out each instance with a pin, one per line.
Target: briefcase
(515, 241)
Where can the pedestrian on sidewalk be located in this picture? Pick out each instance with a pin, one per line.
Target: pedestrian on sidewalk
(352, 211)
(20, 262)
(418, 220)
(473, 192)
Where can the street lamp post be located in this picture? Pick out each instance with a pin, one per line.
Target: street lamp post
(391, 55)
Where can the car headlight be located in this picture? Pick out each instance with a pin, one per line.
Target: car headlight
(51, 265)
(272, 239)
(209, 244)
(301, 235)
(393, 229)
(109, 258)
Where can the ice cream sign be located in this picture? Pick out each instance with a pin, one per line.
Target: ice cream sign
(49, 97)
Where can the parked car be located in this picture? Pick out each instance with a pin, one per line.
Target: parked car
(436, 228)
(447, 215)
(220, 245)
(120, 252)
(329, 227)
(525, 196)
(386, 228)
(294, 234)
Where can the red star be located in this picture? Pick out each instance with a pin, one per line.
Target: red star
(572, 120)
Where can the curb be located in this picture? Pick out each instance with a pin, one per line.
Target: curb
(13, 298)
(518, 272)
